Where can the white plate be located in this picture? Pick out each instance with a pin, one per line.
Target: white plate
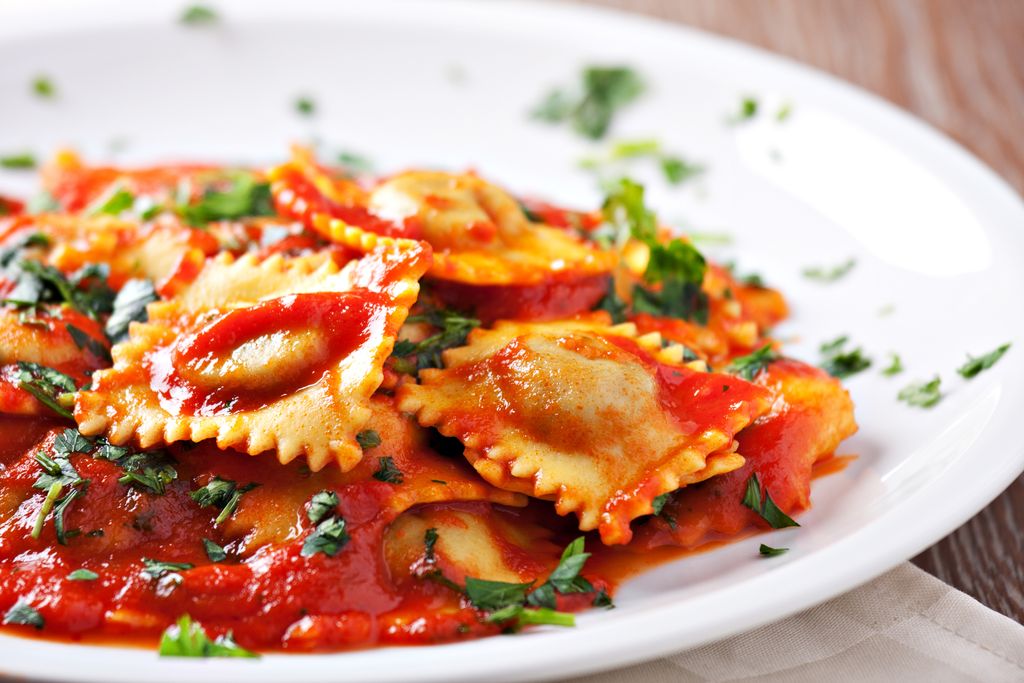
(936, 235)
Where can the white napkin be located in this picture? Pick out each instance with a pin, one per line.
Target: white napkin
(904, 626)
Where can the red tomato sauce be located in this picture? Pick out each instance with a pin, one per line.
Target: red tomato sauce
(556, 298)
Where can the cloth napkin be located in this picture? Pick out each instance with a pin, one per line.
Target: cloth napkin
(904, 626)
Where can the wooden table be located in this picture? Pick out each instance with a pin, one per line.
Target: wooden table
(958, 64)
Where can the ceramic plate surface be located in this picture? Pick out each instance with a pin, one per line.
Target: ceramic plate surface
(938, 241)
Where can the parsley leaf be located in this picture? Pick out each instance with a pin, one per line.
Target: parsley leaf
(895, 367)
(769, 551)
(329, 537)
(199, 15)
(387, 472)
(187, 638)
(234, 194)
(155, 569)
(841, 363)
(221, 493)
(747, 110)
(305, 106)
(829, 274)
(118, 201)
(47, 385)
(605, 90)
(491, 596)
(24, 614)
(429, 543)
(214, 551)
(23, 161)
(86, 342)
(321, 505)
(767, 509)
(368, 439)
(454, 327)
(83, 575)
(678, 267)
(43, 87)
(129, 306)
(921, 394)
(750, 366)
(974, 366)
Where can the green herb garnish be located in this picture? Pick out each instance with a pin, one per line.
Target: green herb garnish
(368, 439)
(921, 394)
(750, 366)
(221, 493)
(23, 614)
(156, 569)
(387, 472)
(605, 90)
(766, 507)
(129, 306)
(115, 203)
(895, 366)
(839, 362)
(187, 638)
(305, 106)
(329, 537)
(769, 551)
(83, 575)
(23, 161)
(321, 505)
(47, 385)
(234, 194)
(214, 551)
(747, 110)
(454, 328)
(974, 366)
(199, 15)
(829, 274)
(43, 88)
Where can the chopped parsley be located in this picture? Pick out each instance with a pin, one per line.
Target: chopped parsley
(429, 543)
(22, 161)
(895, 366)
(387, 472)
(115, 203)
(156, 569)
(769, 551)
(490, 596)
(50, 387)
(322, 505)
(565, 578)
(83, 575)
(658, 509)
(839, 362)
(214, 551)
(355, 162)
(86, 289)
(831, 273)
(199, 15)
(187, 638)
(232, 195)
(129, 306)
(974, 366)
(43, 88)
(766, 508)
(52, 494)
(784, 112)
(677, 170)
(368, 439)
(221, 493)
(747, 110)
(921, 394)
(454, 328)
(23, 614)
(750, 366)
(305, 106)
(605, 90)
(675, 269)
(329, 537)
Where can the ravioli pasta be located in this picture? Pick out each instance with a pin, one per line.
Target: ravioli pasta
(308, 408)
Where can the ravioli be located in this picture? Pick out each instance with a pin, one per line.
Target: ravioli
(165, 251)
(593, 417)
(811, 415)
(281, 355)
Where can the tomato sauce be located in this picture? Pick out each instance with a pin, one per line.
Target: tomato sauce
(556, 298)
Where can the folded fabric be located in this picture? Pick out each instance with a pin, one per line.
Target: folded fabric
(904, 626)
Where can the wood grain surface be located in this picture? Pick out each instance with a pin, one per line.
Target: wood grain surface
(958, 64)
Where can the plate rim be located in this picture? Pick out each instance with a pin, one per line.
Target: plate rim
(606, 648)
